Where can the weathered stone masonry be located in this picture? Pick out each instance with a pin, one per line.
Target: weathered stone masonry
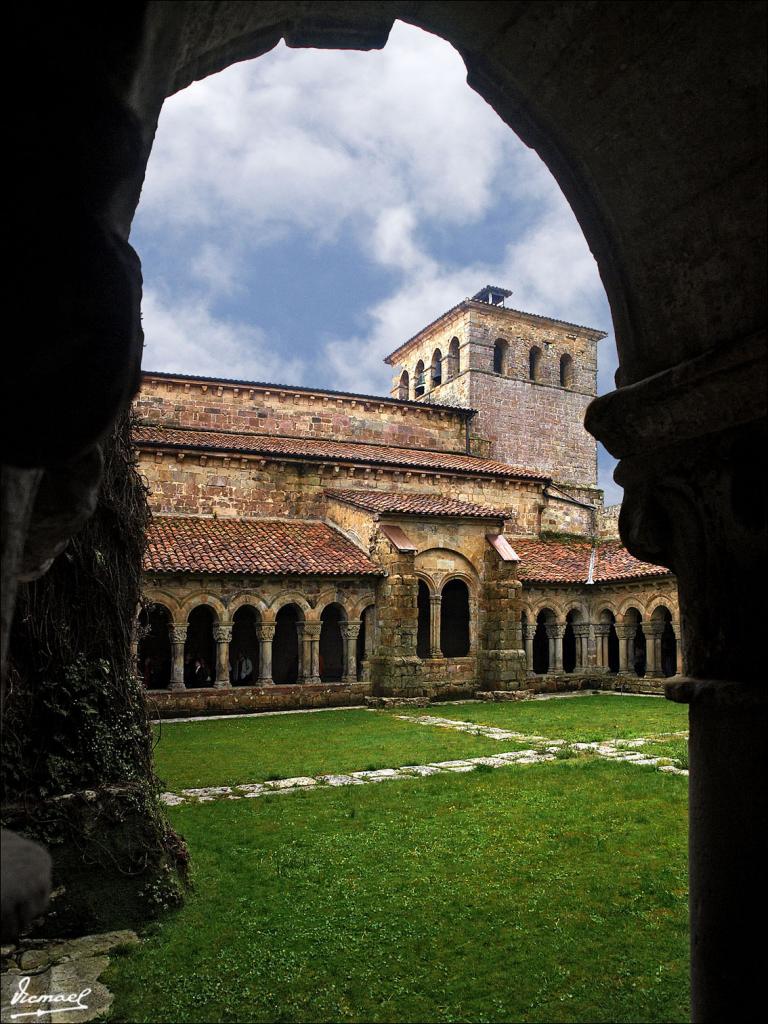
(432, 574)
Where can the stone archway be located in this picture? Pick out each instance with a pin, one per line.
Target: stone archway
(678, 229)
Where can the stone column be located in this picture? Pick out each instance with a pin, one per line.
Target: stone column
(529, 632)
(222, 635)
(689, 428)
(435, 604)
(653, 631)
(678, 648)
(178, 636)
(555, 633)
(602, 632)
(350, 632)
(581, 631)
(266, 634)
(625, 631)
(310, 633)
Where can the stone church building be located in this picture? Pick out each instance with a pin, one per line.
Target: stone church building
(312, 547)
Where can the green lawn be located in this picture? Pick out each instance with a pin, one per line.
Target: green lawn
(581, 719)
(239, 750)
(676, 750)
(550, 893)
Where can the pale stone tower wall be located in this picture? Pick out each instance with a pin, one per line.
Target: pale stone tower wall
(532, 423)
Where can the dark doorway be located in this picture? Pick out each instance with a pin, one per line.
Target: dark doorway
(285, 646)
(331, 644)
(200, 648)
(541, 644)
(154, 653)
(454, 620)
(422, 633)
(244, 647)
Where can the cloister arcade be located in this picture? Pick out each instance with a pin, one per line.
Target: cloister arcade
(639, 637)
(201, 643)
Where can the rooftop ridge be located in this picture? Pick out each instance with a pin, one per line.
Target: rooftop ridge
(350, 451)
(267, 386)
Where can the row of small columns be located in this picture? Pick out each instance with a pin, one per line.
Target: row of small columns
(309, 653)
(592, 645)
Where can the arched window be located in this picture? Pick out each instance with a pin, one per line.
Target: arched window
(499, 356)
(154, 653)
(636, 652)
(534, 359)
(437, 368)
(566, 371)
(403, 388)
(454, 620)
(453, 359)
(419, 383)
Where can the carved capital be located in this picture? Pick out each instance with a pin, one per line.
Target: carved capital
(555, 630)
(580, 628)
(177, 634)
(435, 599)
(602, 628)
(350, 630)
(222, 634)
(311, 630)
(529, 630)
(625, 630)
(653, 629)
(266, 632)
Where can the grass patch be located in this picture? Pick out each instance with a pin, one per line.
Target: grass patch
(581, 719)
(239, 750)
(548, 893)
(675, 750)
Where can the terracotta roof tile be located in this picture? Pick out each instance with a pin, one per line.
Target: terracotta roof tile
(544, 561)
(253, 546)
(146, 435)
(417, 504)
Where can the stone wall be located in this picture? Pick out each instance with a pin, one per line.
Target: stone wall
(195, 484)
(532, 424)
(608, 522)
(273, 410)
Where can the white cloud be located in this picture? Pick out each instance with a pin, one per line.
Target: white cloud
(378, 147)
(182, 335)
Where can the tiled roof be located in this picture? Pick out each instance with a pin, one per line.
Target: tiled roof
(416, 504)
(254, 546)
(146, 435)
(544, 561)
(267, 386)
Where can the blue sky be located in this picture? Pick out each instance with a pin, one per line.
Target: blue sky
(306, 212)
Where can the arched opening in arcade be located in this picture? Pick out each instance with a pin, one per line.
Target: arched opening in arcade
(286, 648)
(608, 642)
(200, 648)
(542, 660)
(154, 648)
(666, 659)
(455, 620)
(424, 622)
(332, 643)
(571, 651)
(636, 649)
(244, 646)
